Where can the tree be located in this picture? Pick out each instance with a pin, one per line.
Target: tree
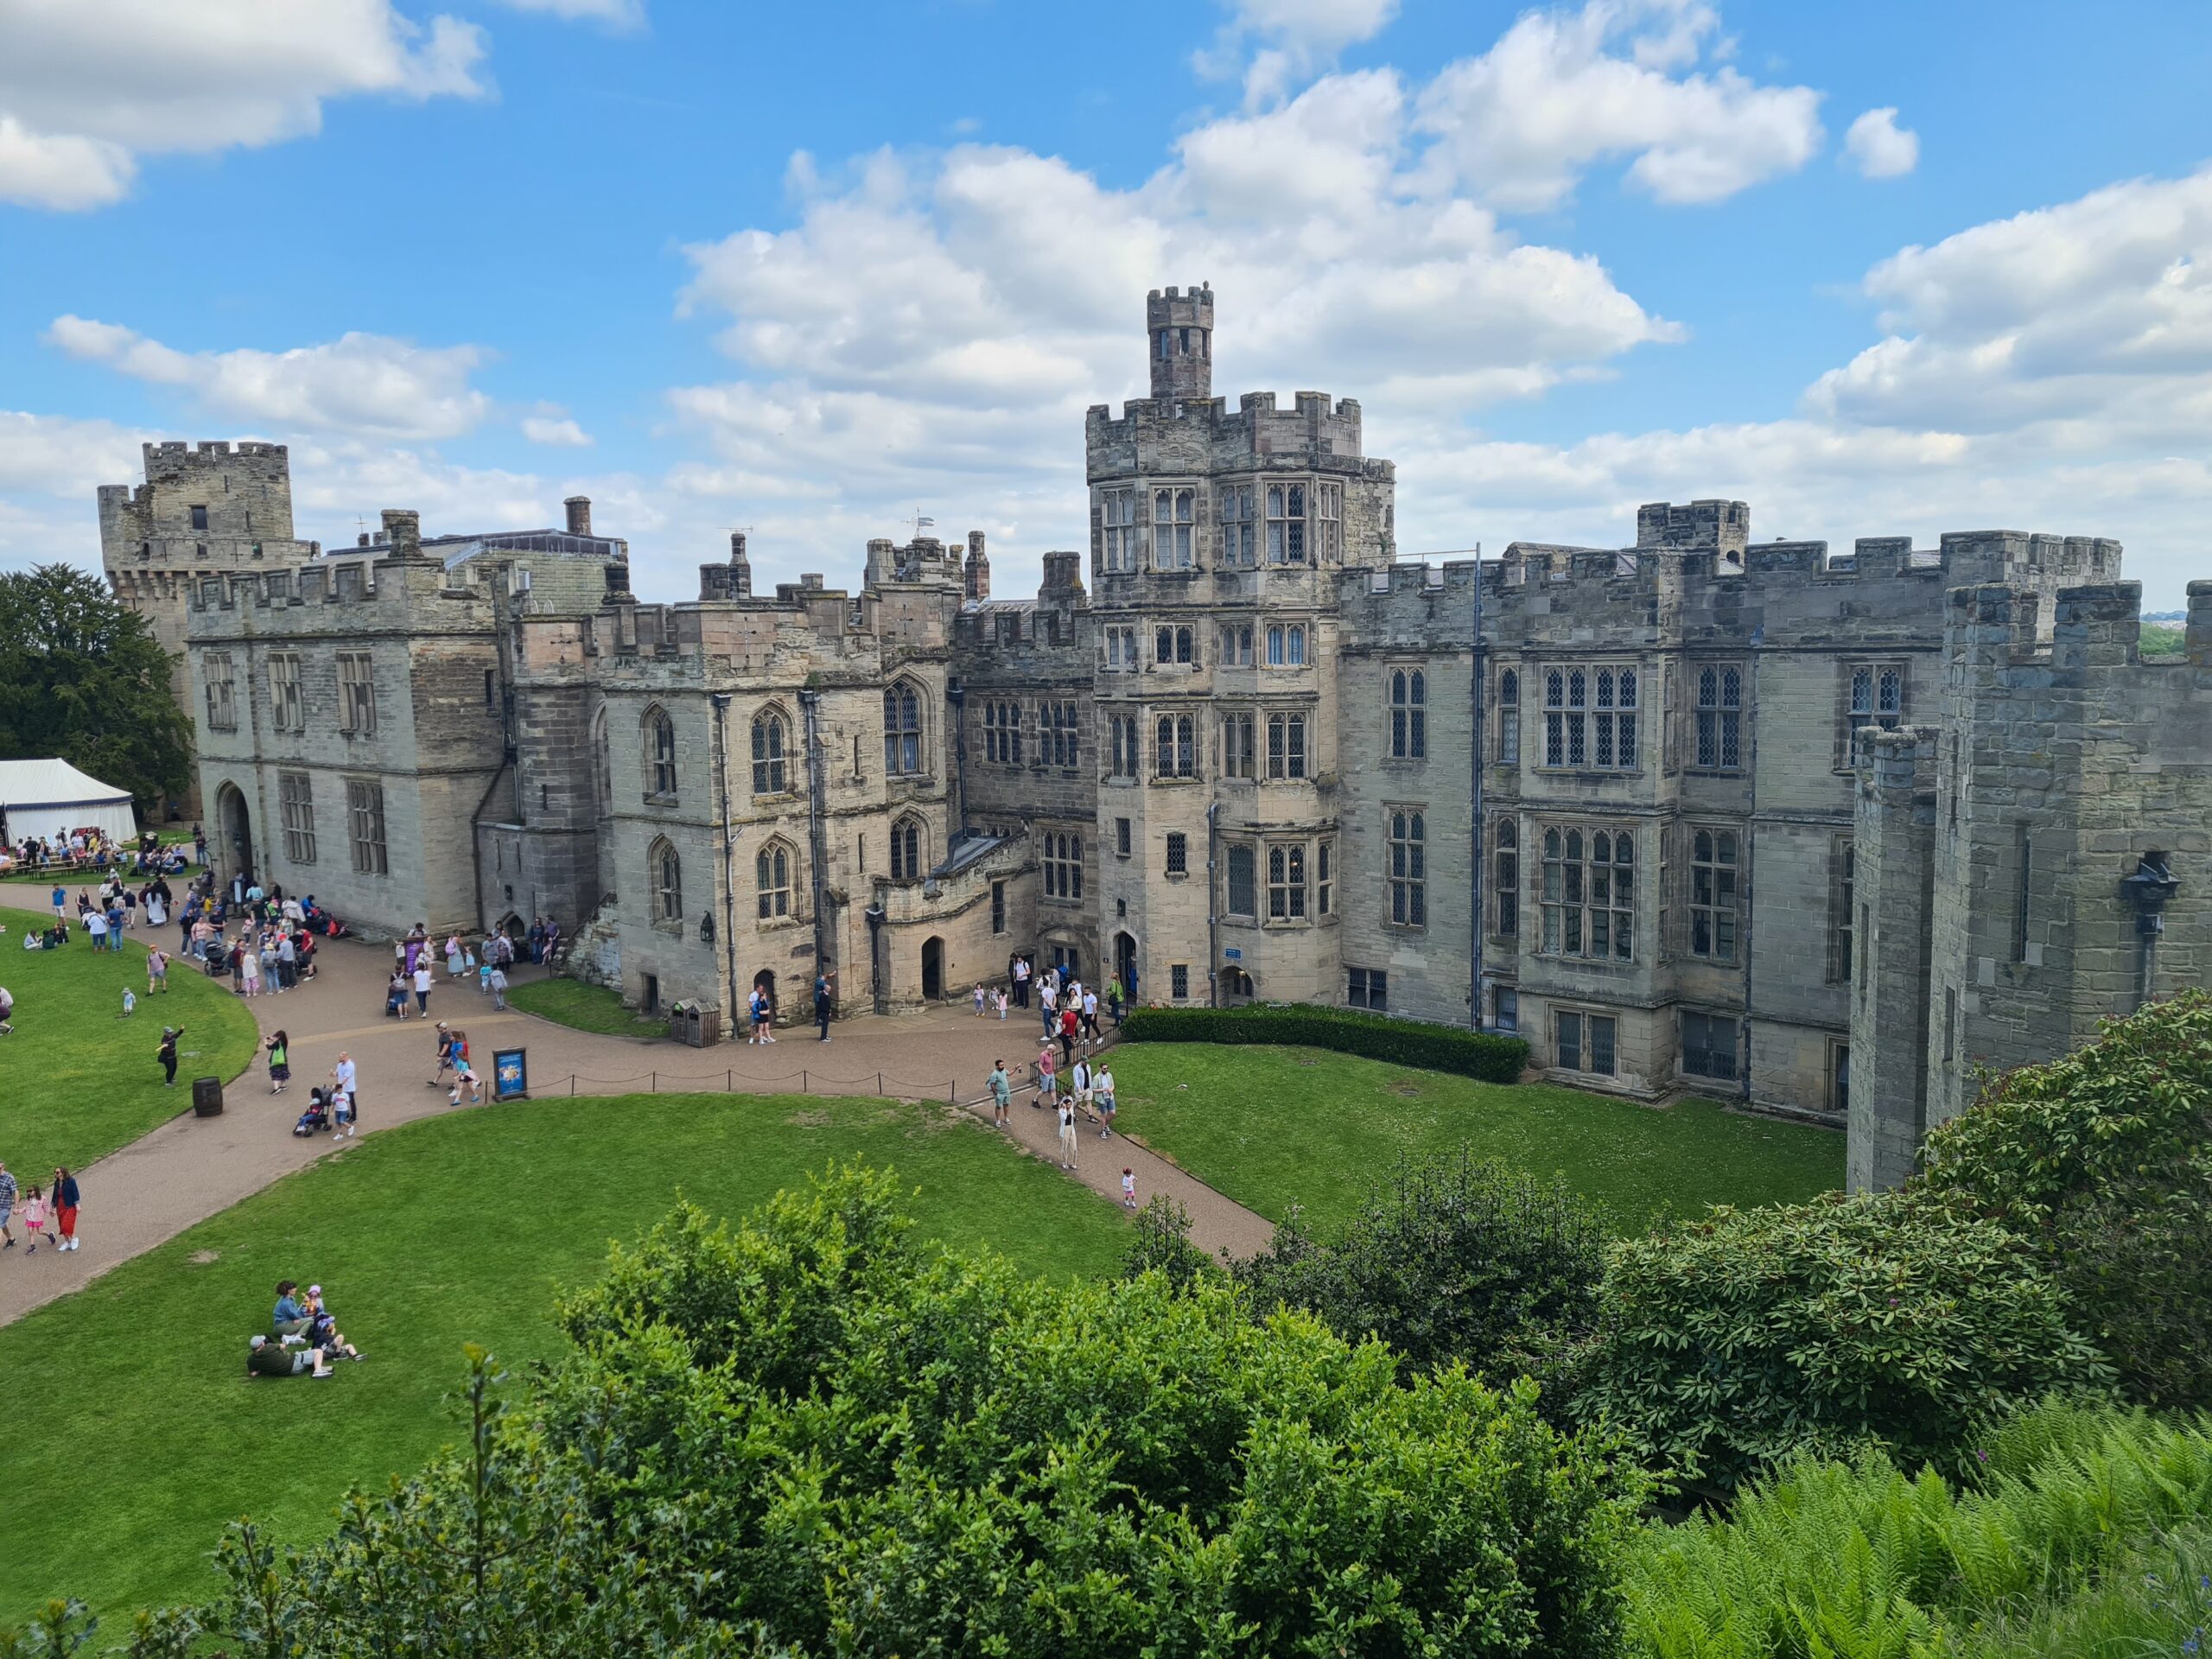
(1456, 1258)
(2102, 1160)
(82, 677)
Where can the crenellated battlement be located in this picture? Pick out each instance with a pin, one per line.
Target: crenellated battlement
(1993, 628)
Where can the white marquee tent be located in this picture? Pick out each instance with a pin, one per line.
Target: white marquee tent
(52, 797)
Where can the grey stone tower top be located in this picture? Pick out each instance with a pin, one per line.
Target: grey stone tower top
(1179, 334)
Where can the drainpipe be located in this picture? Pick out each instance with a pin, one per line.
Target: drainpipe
(1213, 944)
(1745, 896)
(956, 695)
(1480, 892)
(729, 849)
(809, 704)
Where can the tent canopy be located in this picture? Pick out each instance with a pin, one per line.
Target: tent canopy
(52, 797)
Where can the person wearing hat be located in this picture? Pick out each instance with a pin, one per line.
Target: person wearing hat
(445, 1054)
(267, 1358)
(167, 1054)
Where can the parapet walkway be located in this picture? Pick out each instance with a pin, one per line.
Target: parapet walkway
(191, 1168)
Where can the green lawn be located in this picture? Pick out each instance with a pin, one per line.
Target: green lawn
(1274, 1126)
(77, 1079)
(586, 1008)
(132, 1437)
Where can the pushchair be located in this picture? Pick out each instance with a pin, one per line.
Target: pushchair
(316, 1118)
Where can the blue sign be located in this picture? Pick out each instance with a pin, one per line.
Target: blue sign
(511, 1074)
(1233, 953)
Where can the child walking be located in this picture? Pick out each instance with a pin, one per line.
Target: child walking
(35, 1217)
(1128, 1189)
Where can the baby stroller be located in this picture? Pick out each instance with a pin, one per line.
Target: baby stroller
(316, 1118)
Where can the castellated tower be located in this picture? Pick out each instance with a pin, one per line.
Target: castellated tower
(1180, 327)
(204, 509)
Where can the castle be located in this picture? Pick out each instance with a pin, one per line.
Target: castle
(1810, 833)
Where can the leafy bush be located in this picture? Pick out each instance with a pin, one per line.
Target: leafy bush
(1479, 1054)
(1457, 1258)
(811, 1433)
(1733, 1342)
(1163, 1245)
(2103, 1159)
(1826, 1560)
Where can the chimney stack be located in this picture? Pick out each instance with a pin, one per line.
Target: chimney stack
(977, 584)
(402, 530)
(579, 508)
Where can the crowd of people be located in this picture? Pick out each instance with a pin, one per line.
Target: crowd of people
(93, 850)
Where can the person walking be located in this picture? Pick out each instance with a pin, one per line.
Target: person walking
(1022, 981)
(65, 1197)
(248, 968)
(1048, 1007)
(453, 955)
(167, 1054)
(822, 1002)
(7, 1207)
(1001, 1088)
(422, 984)
(498, 981)
(1048, 1081)
(96, 925)
(1067, 1133)
(1090, 1032)
(445, 1055)
(36, 1213)
(157, 971)
(346, 1098)
(60, 897)
(1079, 1086)
(1128, 1189)
(1067, 1035)
(280, 1063)
(1102, 1092)
(1114, 997)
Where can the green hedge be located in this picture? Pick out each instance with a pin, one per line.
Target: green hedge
(1372, 1036)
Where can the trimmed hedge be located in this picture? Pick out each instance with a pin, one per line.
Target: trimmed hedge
(1478, 1054)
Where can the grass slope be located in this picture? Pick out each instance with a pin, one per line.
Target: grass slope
(77, 1079)
(1274, 1126)
(585, 1007)
(131, 1436)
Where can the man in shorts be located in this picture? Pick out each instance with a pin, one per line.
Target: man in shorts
(7, 1206)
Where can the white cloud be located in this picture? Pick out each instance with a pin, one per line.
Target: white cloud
(615, 14)
(362, 384)
(85, 90)
(1880, 147)
(551, 427)
(1275, 44)
(1561, 92)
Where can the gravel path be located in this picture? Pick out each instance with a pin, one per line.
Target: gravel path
(191, 1168)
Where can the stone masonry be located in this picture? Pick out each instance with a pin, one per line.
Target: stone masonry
(1696, 813)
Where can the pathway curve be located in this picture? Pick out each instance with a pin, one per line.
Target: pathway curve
(191, 1168)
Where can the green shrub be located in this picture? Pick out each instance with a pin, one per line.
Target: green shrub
(1479, 1054)
(2103, 1159)
(1826, 1560)
(1870, 1320)
(810, 1433)
(1457, 1258)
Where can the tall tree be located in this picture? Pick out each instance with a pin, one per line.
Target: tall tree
(81, 677)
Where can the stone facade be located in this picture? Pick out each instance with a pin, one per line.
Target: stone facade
(2059, 765)
(202, 510)
(1602, 797)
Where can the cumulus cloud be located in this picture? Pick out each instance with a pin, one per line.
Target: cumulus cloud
(551, 425)
(1561, 92)
(363, 385)
(1880, 147)
(1274, 43)
(615, 14)
(86, 90)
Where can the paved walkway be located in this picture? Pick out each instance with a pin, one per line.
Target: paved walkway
(191, 1168)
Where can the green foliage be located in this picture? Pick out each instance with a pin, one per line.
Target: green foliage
(82, 677)
(2162, 639)
(1163, 1245)
(1728, 1344)
(1456, 1258)
(586, 1007)
(1477, 1055)
(807, 1431)
(1829, 1561)
(2103, 1158)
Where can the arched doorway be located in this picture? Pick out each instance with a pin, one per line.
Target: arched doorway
(1125, 964)
(234, 835)
(1236, 987)
(765, 982)
(932, 970)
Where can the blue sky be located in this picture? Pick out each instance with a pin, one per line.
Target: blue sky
(1880, 269)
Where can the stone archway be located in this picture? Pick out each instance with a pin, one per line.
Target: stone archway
(932, 969)
(1125, 964)
(233, 835)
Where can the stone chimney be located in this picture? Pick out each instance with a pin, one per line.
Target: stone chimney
(579, 508)
(403, 532)
(976, 577)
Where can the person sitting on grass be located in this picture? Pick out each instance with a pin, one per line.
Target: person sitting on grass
(267, 1358)
(322, 1331)
(291, 1318)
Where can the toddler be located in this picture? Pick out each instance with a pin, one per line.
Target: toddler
(1000, 1000)
(1128, 1189)
(979, 999)
(129, 1002)
(35, 1218)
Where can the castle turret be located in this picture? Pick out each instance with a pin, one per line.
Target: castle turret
(1179, 326)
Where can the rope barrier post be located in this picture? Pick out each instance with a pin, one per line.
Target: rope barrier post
(879, 1083)
(572, 1085)
(656, 1084)
(803, 1087)
(730, 1081)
